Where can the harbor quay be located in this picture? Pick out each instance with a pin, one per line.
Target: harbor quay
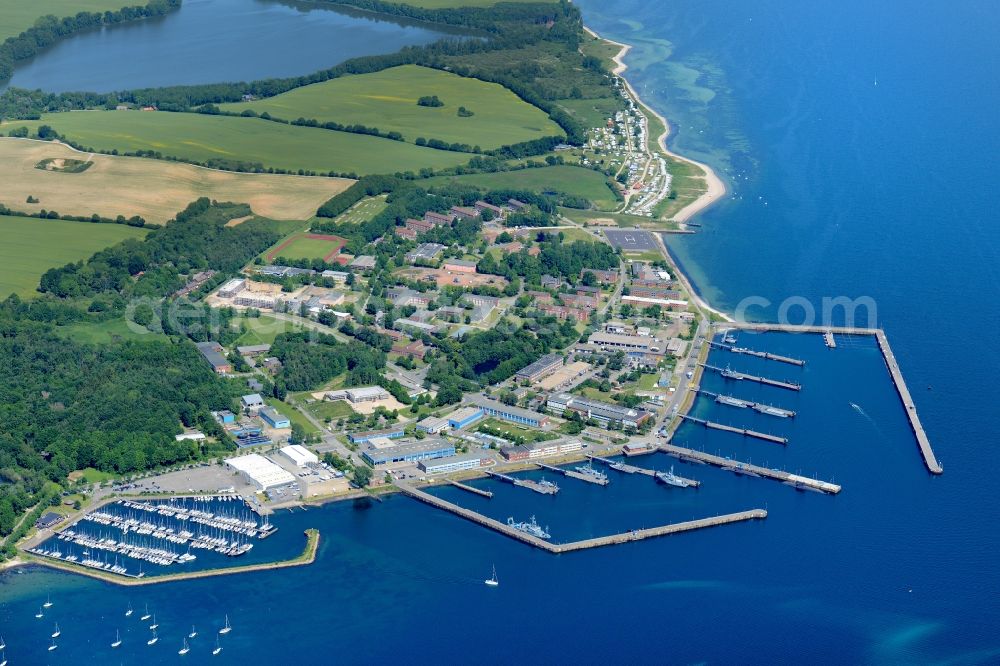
(748, 469)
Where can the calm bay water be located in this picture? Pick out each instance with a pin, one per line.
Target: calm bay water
(208, 41)
(869, 190)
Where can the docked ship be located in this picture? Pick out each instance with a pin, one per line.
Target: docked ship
(774, 411)
(545, 483)
(589, 470)
(731, 374)
(731, 401)
(532, 528)
(671, 479)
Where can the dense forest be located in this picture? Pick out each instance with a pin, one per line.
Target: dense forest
(556, 258)
(309, 360)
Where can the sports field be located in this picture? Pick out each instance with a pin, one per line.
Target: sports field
(563, 179)
(153, 189)
(388, 100)
(30, 246)
(308, 246)
(200, 137)
(363, 211)
(16, 16)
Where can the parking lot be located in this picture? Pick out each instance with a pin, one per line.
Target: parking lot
(631, 240)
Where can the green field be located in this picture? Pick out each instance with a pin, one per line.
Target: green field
(105, 332)
(530, 435)
(263, 330)
(388, 100)
(199, 137)
(303, 246)
(326, 409)
(294, 415)
(576, 181)
(362, 211)
(16, 16)
(30, 246)
(591, 112)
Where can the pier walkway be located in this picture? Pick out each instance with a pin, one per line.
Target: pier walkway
(759, 354)
(746, 432)
(632, 469)
(597, 542)
(737, 376)
(471, 489)
(573, 474)
(760, 407)
(540, 488)
(747, 469)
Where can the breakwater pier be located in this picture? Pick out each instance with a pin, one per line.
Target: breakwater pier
(596, 542)
(739, 376)
(471, 489)
(748, 469)
(746, 432)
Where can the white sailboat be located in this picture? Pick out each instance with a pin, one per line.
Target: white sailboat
(152, 641)
(193, 632)
(128, 613)
(39, 614)
(55, 634)
(226, 629)
(3, 658)
(185, 649)
(493, 582)
(48, 602)
(53, 646)
(118, 639)
(154, 625)
(3, 643)
(146, 615)
(218, 648)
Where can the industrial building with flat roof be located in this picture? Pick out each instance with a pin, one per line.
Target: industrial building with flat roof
(260, 471)
(361, 437)
(602, 412)
(213, 353)
(378, 454)
(433, 425)
(540, 368)
(274, 418)
(300, 455)
(507, 413)
(458, 463)
(465, 416)
(627, 343)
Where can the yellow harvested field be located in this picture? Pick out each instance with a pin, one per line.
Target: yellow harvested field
(153, 189)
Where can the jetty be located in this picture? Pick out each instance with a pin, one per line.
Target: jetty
(746, 432)
(573, 474)
(540, 488)
(597, 542)
(748, 469)
(475, 491)
(632, 469)
(738, 376)
(730, 401)
(759, 354)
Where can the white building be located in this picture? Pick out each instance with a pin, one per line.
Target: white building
(299, 455)
(260, 471)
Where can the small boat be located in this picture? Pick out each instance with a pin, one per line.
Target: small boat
(146, 615)
(3, 658)
(185, 649)
(48, 602)
(39, 614)
(193, 632)
(218, 648)
(53, 646)
(128, 613)
(671, 479)
(3, 643)
(226, 629)
(152, 641)
(118, 639)
(154, 626)
(493, 582)
(55, 634)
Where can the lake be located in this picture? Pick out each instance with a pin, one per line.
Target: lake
(211, 41)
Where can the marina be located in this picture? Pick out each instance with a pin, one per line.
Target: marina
(727, 373)
(746, 432)
(747, 469)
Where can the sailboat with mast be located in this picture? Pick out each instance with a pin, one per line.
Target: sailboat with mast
(39, 614)
(118, 639)
(226, 629)
(48, 601)
(56, 632)
(493, 582)
(53, 646)
(193, 632)
(185, 648)
(146, 615)
(152, 641)
(128, 613)
(218, 647)
(155, 625)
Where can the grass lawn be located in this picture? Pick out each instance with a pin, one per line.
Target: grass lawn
(201, 138)
(591, 112)
(105, 332)
(307, 246)
(562, 179)
(570, 235)
(90, 475)
(152, 189)
(16, 16)
(294, 416)
(529, 434)
(326, 409)
(591, 392)
(388, 100)
(647, 255)
(30, 246)
(362, 211)
(263, 330)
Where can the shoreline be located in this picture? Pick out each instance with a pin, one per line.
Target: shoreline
(716, 188)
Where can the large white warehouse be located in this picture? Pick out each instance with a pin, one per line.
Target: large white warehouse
(260, 471)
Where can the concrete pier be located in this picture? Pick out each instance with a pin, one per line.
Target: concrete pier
(471, 489)
(541, 489)
(632, 469)
(597, 542)
(759, 354)
(730, 401)
(738, 376)
(747, 469)
(573, 474)
(746, 432)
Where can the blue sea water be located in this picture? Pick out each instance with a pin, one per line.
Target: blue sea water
(871, 190)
